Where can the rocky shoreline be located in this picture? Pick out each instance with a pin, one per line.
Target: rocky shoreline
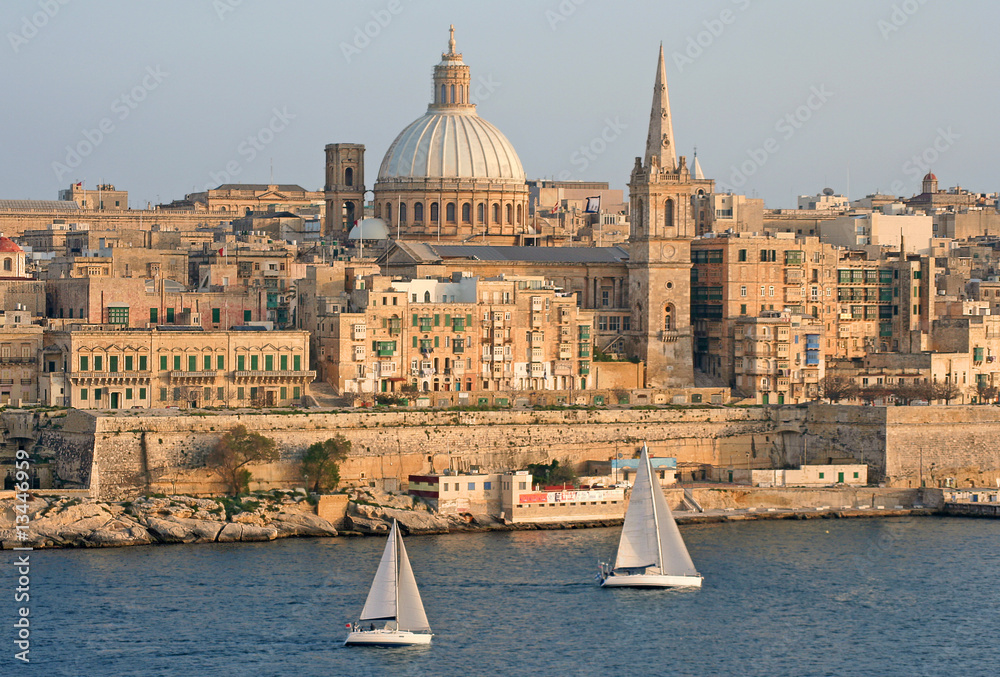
(87, 523)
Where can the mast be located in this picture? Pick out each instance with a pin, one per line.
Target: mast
(395, 578)
(652, 499)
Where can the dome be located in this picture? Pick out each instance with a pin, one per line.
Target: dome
(9, 246)
(369, 229)
(452, 144)
(930, 177)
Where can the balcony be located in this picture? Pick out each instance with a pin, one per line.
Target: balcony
(109, 378)
(282, 376)
(11, 359)
(193, 376)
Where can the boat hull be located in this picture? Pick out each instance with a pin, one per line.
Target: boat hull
(386, 638)
(651, 581)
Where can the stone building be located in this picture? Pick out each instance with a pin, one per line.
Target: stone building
(108, 367)
(236, 199)
(464, 335)
(104, 197)
(20, 350)
(449, 175)
(778, 357)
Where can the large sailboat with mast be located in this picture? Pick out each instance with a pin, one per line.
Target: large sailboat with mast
(394, 601)
(651, 552)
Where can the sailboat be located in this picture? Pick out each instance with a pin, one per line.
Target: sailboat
(651, 552)
(393, 598)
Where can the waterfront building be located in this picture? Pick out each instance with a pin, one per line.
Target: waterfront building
(111, 367)
(452, 494)
(778, 357)
(524, 503)
(20, 350)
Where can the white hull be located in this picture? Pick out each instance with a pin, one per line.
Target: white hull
(386, 638)
(651, 581)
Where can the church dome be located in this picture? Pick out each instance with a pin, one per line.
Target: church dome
(451, 144)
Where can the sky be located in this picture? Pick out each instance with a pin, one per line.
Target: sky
(781, 97)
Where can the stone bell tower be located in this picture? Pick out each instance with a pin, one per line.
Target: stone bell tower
(344, 188)
(662, 216)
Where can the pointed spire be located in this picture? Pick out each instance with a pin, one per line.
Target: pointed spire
(660, 141)
(696, 167)
(451, 39)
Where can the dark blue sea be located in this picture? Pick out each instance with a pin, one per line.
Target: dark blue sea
(904, 596)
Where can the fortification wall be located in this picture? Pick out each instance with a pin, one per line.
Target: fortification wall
(135, 452)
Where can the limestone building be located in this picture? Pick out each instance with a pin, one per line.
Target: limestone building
(449, 175)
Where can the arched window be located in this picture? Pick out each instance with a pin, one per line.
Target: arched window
(449, 210)
(418, 212)
(444, 95)
(466, 212)
(519, 215)
(638, 215)
(668, 213)
(349, 213)
(668, 318)
(461, 91)
(453, 94)
(496, 212)
(509, 212)
(427, 297)
(8, 264)
(638, 316)
(349, 176)
(388, 212)
(435, 212)
(402, 212)
(481, 213)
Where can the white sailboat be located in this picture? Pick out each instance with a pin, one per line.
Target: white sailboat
(651, 552)
(394, 599)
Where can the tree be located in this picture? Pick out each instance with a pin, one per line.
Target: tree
(985, 393)
(237, 449)
(946, 391)
(551, 474)
(321, 463)
(868, 394)
(836, 388)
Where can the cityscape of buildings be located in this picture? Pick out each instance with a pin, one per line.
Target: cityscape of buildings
(457, 280)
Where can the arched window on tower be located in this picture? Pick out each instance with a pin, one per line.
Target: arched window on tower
(8, 264)
(444, 95)
(481, 213)
(449, 211)
(418, 212)
(452, 94)
(402, 212)
(638, 317)
(668, 318)
(519, 215)
(427, 297)
(638, 216)
(349, 176)
(496, 212)
(388, 212)
(668, 214)
(435, 212)
(466, 212)
(509, 213)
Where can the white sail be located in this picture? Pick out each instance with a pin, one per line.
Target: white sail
(410, 609)
(650, 537)
(638, 546)
(381, 602)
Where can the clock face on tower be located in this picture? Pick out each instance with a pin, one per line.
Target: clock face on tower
(668, 251)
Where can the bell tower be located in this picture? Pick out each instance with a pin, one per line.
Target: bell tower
(344, 189)
(662, 192)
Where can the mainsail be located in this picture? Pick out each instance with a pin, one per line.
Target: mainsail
(650, 537)
(381, 602)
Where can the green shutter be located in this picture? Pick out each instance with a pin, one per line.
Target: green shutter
(177, 362)
(113, 363)
(220, 364)
(129, 362)
(241, 363)
(192, 363)
(98, 363)
(152, 316)
(284, 363)
(269, 363)
(84, 363)
(415, 322)
(297, 362)
(447, 320)
(163, 362)
(143, 363)
(208, 362)
(170, 314)
(436, 342)
(247, 315)
(437, 320)
(142, 393)
(216, 315)
(468, 320)
(414, 342)
(254, 363)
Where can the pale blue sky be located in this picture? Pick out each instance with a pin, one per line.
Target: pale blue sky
(896, 79)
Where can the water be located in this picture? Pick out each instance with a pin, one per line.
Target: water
(908, 596)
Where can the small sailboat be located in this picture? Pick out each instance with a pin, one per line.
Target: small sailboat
(651, 552)
(394, 599)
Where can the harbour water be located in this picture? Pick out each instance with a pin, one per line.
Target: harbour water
(905, 596)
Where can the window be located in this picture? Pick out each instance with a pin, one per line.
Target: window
(449, 210)
(118, 316)
(220, 362)
(254, 362)
(489, 485)
(207, 361)
(297, 361)
(283, 363)
(129, 363)
(247, 315)
(170, 314)
(472, 486)
(84, 363)
(435, 212)
(163, 362)
(743, 290)
(113, 363)
(742, 255)
(220, 393)
(177, 362)
(269, 363)
(142, 393)
(152, 315)
(216, 315)
(418, 212)
(98, 363)
(163, 394)
(821, 475)
(855, 475)
(83, 393)
(128, 393)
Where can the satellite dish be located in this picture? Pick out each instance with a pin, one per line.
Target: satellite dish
(828, 191)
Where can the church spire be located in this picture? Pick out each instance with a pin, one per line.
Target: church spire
(451, 81)
(660, 141)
